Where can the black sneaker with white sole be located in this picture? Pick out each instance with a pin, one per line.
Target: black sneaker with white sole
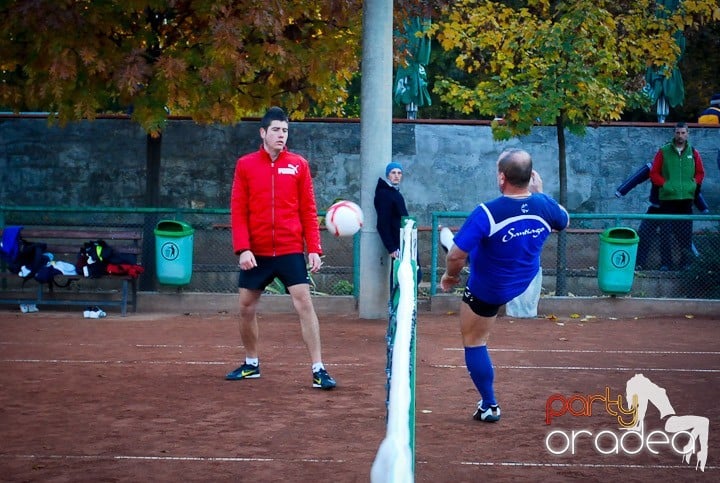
(246, 371)
(323, 380)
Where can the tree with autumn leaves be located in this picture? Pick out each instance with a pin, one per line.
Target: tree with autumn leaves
(564, 63)
(561, 63)
(215, 61)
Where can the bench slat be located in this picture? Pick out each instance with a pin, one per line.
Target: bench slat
(89, 234)
(74, 249)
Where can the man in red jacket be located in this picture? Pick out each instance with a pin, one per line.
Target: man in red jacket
(274, 218)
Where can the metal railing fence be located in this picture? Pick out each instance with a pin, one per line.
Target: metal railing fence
(214, 266)
(698, 279)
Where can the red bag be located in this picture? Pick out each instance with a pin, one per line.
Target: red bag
(128, 269)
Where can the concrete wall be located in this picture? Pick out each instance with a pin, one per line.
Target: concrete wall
(447, 167)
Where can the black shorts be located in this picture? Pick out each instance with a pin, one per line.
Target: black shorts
(290, 269)
(483, 309)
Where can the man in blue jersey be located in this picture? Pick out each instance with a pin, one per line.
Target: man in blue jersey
(502, 239)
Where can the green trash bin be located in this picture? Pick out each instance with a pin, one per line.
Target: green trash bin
(174, 252)
(616, 260)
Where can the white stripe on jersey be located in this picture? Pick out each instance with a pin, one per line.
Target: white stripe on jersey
(496, 227)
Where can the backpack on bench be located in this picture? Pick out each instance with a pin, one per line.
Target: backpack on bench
(95, 256)
(29, 260)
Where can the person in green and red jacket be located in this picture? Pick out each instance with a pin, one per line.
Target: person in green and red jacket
(677, 170)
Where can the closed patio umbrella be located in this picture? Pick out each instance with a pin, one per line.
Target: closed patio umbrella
(411, 87)
(666, 90)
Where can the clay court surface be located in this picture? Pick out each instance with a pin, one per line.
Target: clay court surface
(142, 398)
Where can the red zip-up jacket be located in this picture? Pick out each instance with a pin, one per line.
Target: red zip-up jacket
(272, 205)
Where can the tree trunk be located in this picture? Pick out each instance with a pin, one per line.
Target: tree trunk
(152, 200)
(561, 265)
(153, 155)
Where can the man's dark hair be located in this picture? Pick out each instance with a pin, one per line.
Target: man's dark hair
(516, 165)
(273, 114)
(681, 125)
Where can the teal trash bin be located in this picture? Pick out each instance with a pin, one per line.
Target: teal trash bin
(174, 252)
(616, 260)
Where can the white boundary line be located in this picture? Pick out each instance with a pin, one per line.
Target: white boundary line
(593, 351)
(452, 349)
(141, 346)
(238, 459)
(235, 347)
(280, 364)
(581, 368)
(590, 368)
(156, 362)
(231, 459)
(579, 465)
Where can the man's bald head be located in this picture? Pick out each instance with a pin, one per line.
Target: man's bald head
(516, 165)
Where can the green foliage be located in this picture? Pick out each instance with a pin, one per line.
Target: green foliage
(566, 63)
(700, 67)
(276, 287)
(342, 287)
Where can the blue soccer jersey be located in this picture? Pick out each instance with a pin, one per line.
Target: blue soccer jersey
(504, 238)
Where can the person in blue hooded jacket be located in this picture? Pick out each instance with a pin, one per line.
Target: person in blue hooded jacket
(390, 208)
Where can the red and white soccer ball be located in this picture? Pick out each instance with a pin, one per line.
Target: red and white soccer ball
(344, 218)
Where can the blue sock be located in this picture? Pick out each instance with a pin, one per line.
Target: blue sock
(481, 372)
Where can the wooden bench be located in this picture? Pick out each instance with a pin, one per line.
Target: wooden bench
(65, 244)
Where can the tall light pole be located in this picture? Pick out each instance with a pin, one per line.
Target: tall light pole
(375, 151)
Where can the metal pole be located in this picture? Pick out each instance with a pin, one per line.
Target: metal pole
(412, 110)
(375, 151)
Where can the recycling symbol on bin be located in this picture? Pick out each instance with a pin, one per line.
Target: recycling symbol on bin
(169, 251)
(620, 259)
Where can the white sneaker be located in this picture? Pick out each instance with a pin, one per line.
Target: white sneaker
(28, 308)
(489, 415)
(95, 313)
